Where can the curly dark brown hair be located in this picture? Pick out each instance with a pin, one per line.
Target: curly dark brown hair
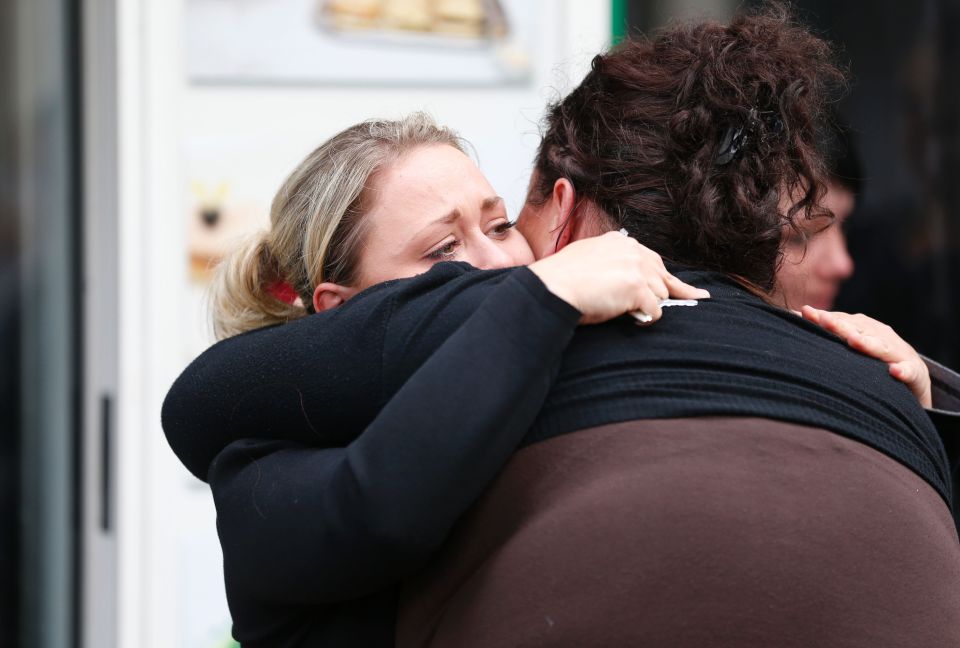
(688, 139)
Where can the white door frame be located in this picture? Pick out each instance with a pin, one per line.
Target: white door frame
(131, 88)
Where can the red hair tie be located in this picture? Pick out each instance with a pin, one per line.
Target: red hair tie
(283, 291)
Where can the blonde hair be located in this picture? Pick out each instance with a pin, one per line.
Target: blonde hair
(316, 224)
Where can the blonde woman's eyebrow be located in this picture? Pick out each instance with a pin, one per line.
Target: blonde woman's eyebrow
(455, 214)
(490, 203)
(449, 218)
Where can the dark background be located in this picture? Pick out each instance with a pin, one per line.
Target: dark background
(40, 324)
(9, 346)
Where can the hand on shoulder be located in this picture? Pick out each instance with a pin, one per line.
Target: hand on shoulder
(877, 340)
(606, 276)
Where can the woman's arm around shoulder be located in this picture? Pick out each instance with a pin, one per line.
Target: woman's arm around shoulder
(362, 516)
(302, 524)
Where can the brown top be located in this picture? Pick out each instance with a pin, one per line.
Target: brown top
(695, 532)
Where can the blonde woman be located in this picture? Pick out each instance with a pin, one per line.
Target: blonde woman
(379, 201)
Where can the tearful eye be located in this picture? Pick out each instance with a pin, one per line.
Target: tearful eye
(502, 228)
(445, 252)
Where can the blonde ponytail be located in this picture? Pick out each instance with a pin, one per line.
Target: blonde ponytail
(242, 297)
(317, 225)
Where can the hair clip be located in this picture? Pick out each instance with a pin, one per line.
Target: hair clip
(766, 124)
(733, 140)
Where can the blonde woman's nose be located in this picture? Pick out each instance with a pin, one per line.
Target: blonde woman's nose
(489, 255)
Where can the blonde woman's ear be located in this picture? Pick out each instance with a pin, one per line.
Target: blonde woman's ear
(330, 295)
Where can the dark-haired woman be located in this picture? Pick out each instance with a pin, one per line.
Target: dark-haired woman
(733, 476)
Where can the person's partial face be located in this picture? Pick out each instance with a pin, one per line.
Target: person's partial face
(435, 205)
(541, 222)
(535, 227)
(813, 269)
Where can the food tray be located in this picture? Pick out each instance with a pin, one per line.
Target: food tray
(416, 22)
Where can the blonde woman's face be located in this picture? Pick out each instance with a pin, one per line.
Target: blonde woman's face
(435, 205)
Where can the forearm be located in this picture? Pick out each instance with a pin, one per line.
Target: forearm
(466, 409)
(318, 380)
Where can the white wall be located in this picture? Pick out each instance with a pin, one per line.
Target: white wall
(169, 591)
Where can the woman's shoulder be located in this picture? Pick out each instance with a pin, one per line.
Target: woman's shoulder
(720, 285)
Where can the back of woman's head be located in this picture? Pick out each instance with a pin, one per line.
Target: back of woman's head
(692, 139)
(317, 225)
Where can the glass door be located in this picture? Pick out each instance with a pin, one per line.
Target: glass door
(39, 325)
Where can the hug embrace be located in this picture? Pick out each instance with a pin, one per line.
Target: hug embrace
(429, 425)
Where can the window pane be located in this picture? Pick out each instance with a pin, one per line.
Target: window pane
(39, 287)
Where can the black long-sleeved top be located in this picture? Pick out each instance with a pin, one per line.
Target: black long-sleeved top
(320, 381)
(310, 531)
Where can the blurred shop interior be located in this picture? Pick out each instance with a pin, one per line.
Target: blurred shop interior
(139, 139)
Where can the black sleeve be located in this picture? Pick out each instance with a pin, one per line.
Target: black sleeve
(319, 381)
(308, 525)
